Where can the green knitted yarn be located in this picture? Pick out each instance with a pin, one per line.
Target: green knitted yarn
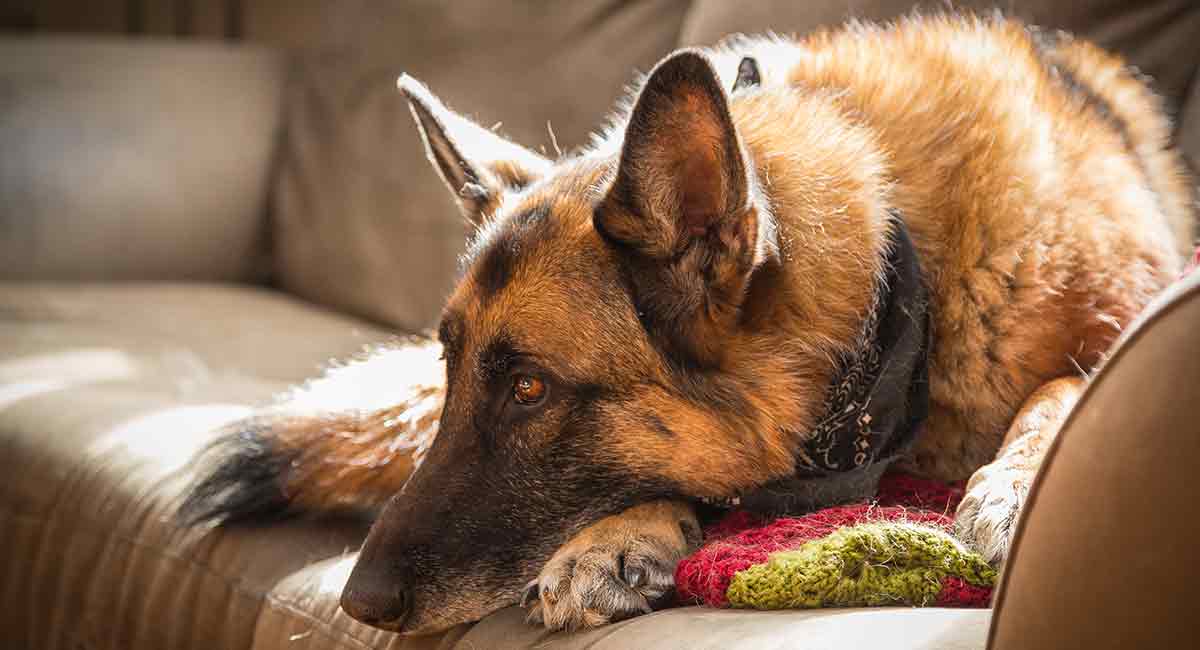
(880, 563)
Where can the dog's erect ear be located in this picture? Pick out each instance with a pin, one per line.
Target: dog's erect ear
(682, 170)
(477, 165)
(683, 202)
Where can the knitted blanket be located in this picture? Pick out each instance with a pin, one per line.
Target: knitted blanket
(896, 550)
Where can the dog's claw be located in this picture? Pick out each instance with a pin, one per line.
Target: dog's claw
(530, 594)
(634, 576)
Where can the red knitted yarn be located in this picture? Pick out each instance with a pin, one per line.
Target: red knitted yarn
(957, 592)
(740, 540)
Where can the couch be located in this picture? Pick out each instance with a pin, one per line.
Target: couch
(200, 207)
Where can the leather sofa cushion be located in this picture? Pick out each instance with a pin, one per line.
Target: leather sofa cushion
(182, 330)
(135, 159)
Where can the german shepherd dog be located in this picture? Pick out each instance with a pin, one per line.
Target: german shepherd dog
(786, 265)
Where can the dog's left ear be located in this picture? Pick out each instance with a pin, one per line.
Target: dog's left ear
(682, 204)
(476, 164)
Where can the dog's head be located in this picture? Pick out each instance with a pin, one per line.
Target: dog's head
(587, 349)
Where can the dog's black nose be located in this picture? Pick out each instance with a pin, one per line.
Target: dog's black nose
(381, 603)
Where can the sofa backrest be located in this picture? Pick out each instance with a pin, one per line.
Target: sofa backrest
(126, 160)
(359, 220)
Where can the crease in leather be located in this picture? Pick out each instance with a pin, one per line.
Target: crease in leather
(320, 627)
(323, 627)
(84, 524)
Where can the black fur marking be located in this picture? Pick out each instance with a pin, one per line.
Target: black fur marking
(1045, 44)
(588, 395)
(747, 74)
(494, 254)
(713, 390)
(496, 357)
(656, 424)
(695, 382)
(450, 329)
(240, 477)
(494, 267)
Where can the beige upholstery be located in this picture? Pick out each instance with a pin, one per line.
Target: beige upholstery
(201, 329)
(144, 160)
(104, 394)
(1106, 553)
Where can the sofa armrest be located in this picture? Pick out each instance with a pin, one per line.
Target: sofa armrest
(135, 159)
(1189, 124)
(1103, 556)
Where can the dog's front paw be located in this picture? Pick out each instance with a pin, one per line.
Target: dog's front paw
(987, 516)
(617, 568)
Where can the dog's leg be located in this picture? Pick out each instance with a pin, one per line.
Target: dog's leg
(619, 567)
(344, 442)
(996, 492)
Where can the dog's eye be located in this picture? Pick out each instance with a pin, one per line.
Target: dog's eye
(528, 390)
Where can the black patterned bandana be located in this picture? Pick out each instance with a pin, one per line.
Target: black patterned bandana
(875, 405)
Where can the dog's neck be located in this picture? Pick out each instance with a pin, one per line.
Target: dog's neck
(875, 404)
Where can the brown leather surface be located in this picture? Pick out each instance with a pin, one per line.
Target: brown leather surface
(1105, 552)
(145, 160)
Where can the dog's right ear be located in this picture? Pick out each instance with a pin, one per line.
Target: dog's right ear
(477, 165)
(683, 205)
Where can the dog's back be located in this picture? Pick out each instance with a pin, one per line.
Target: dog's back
(1036, 175)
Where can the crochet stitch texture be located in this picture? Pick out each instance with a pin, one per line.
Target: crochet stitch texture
(895, 550)
(871, 564)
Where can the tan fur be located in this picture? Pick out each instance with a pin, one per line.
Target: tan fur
(355, 435)
(351, 461)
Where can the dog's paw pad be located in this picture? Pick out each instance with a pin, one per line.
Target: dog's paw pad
(987, 516)
(613, 573)
(603, 584)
